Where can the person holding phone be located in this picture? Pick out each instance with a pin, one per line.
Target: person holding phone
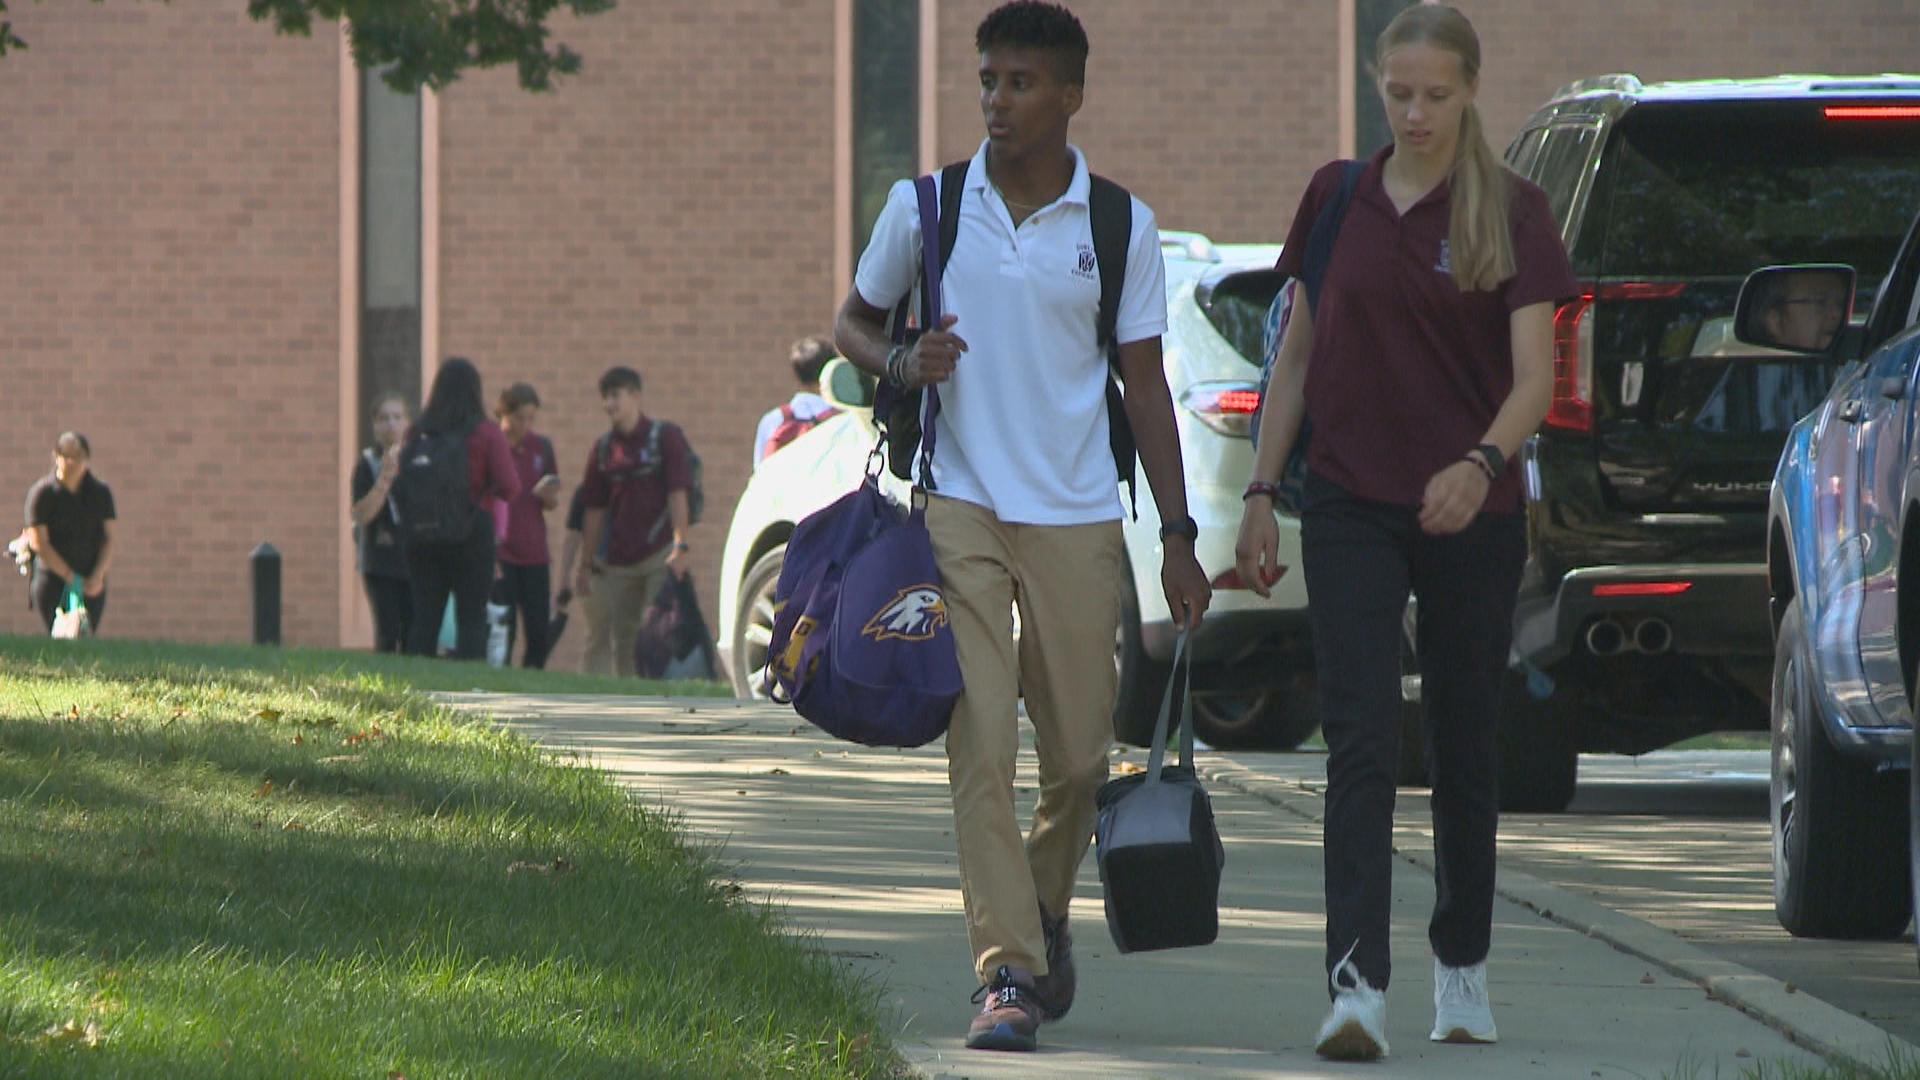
(526, 579)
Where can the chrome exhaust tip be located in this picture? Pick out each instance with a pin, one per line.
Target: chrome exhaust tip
(1653, 636)
(1606, 638)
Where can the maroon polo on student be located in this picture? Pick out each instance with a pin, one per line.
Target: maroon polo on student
(1393, 397)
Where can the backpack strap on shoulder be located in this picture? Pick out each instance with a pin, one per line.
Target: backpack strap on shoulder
(1110, 217)
(1326, 227)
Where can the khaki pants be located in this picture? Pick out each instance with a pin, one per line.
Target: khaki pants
(616, 609)
(1066, 581)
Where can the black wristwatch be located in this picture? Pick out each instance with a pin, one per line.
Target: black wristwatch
(1496, 461)
(1186, 527)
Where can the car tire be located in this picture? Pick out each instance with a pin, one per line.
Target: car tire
(1273, 717)
(1539, 759)
(1840, 833)
(753, 624)
(1143, 681)
(1413, 740)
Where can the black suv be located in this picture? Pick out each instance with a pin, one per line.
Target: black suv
(1643, 613)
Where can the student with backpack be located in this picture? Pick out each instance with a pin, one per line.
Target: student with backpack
(1422, 352)
(526, 581)
(453, 464)
(641, 495)
(806, 409)
(1024, 508)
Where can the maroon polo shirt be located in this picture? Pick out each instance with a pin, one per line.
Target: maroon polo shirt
(1408, 372)
(525, 542)
(633, 489)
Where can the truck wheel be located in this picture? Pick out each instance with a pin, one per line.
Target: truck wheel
(1539, 758)
(1142, 680)
(1840, 833)
(753, 627)
(1413, 747)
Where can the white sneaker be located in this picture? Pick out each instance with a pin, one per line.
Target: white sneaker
(1461, 1013)
(1356, 1029)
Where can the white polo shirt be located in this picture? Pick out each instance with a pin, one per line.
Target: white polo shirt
(1023, 421)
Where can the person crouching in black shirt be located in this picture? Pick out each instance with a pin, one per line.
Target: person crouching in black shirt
(70, 525)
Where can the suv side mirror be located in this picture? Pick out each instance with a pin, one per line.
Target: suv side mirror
(845, 386)
(1801, 309)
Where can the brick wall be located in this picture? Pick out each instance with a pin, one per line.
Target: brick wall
(171, 226)
(170, 287)
(670, 209)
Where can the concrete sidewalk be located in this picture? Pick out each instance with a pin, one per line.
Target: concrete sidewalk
(855, 846)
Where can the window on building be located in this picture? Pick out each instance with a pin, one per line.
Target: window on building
(1370, 17)
(886, 105)
(389, 245)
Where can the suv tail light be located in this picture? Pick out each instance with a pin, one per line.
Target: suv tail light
(1572, 405)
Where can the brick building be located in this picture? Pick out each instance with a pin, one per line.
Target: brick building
(198, 261)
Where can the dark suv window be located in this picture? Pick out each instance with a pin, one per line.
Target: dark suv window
(1718, 190)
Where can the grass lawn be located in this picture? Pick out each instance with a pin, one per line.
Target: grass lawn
(245, 862)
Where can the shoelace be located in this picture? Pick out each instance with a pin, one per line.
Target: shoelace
(1455, 985)
(999, 993)
(1346, 966)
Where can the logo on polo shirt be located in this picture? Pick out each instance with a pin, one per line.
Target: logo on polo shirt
(1444, 266)
(1086, 267)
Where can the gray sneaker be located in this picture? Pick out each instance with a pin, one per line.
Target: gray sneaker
(1055, 988)
(1461, 1012)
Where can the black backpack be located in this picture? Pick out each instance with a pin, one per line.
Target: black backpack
(432, 500)
(696, 481)
(1110, 214)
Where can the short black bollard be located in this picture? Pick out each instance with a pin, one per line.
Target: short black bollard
(266, 594)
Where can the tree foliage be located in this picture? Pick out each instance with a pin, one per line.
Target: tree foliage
(419, 43)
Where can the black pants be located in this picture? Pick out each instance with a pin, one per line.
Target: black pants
(464, 571)
(49, 592)
(528, 589)
(1361, 559)
(392, 601)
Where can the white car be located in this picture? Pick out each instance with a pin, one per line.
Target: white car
(1253, 678)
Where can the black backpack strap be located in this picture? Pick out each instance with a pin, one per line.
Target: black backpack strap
(1110, 214)
(1326, 227)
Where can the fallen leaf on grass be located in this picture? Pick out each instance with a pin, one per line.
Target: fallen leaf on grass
(299, 740)
(396, 1074)
(265, 789)
(71, 1033)
(269, 715)
(551, 869)
(292, 825)
(359, 737)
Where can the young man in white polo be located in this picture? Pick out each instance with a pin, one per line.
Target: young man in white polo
(1026, 509)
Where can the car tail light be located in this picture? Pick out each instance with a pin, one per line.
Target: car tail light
(1572, 405)
(1643, 588)
(1225, 407)
(1873, 112)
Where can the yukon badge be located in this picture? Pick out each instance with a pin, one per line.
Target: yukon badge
(914, 613)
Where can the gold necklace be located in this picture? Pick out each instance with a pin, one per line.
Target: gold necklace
(1016, 205)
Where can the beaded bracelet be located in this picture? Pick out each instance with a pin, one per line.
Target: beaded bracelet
(1261, 487)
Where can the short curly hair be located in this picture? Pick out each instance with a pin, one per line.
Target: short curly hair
(1035, 24)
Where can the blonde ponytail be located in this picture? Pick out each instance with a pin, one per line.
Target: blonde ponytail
(1479, 231)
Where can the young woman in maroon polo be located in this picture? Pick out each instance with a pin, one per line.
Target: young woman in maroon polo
(1426, 362)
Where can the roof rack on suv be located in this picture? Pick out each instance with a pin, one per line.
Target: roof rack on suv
(1621, 82)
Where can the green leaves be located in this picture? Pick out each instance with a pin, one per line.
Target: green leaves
(432, 42)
